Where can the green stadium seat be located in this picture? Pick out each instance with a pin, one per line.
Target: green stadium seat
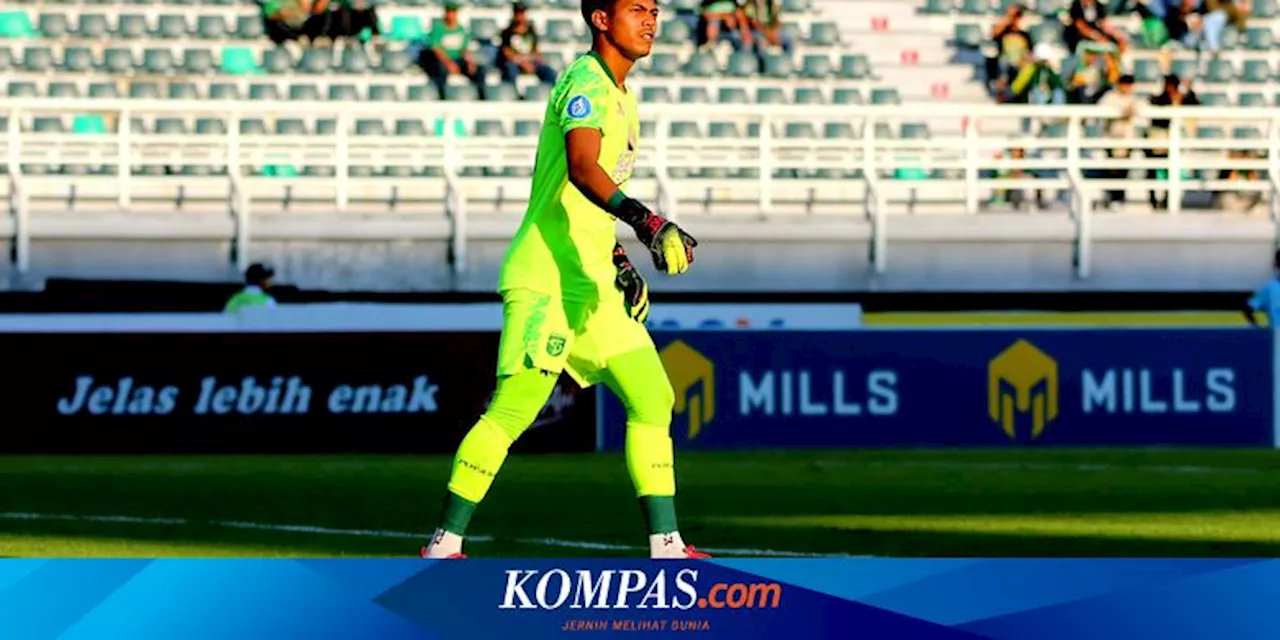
(778, 65)
(62, 89)
(655, 95)
(277, 61)
(304, 92)
(816, 67)
(410, 128)
(809, 96)
(144, 90)
(800, 131)
(88, 124)
(558, 30)
(1214, 99)
(824, 34)
(171, 27)
(527, 128)
(1146, 70)
(733, 95)
(537, 93)
(37, 59)
(344, 92)
(354, 61)
(224, 91)
(742, 65)
(103, 90)
(914, 131)
(968, 35)
(54, 25)
(884, 131)
(975, 7)
(326, 127)
(838, 131)
(701, 65)
(382, 93)
(675, 33)
(316, 60)
(1256, 72)
(264, 92)
(77, 59)
(92, 25)
(197, 61)
(249, 28)
(422, 93)
(117, 60)
(406, 29)
(885, 96)
(1247, 133)
(664, 65)
(46, 124)
(393, 62)
(1048, 32)
(253, 127)
(16, 24)
(290, 127)
(648, 130)
(770, 95)
(22, 89)
(239, 61)
(370, 127)
(183, 91)
(485, 30)
(1265, 9)
(938, 7)
(1252, 100)
(211, 127)
(132, 26)
(157, 61)
(461, 93)
(211, 27)
(855, 67)
(489, 129)
(504, 92)
(685, 130)
(792, 31)
(170, 126)
(1259, 39)
(138, 125)
(1219, 70)
(796, 6)
(845, 95)
(1186, 69)
(6, 59)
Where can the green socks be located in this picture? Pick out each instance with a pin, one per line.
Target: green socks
(457, 514)
(659, 513)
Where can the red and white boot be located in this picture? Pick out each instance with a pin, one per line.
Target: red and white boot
(669, 546)
(443, 545)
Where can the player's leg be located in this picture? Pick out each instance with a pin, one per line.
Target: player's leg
(532, 352)
(640, 382)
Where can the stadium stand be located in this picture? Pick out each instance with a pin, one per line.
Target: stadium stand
(122, 118)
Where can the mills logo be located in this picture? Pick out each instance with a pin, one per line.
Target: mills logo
(1022, 379)
(693, 378)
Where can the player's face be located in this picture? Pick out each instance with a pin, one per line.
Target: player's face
(633, 27)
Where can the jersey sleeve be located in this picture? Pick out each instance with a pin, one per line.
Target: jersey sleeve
(1261, 299)
(582, 103)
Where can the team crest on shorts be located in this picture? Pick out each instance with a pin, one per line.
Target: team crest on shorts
(555, 345)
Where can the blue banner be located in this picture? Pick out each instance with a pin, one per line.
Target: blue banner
(530, 599)
(964, 388)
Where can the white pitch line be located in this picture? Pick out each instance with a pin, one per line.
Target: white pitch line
(1035, 466)
(382, 533)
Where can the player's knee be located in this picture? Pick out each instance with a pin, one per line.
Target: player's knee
(653, 407)
(512, 417)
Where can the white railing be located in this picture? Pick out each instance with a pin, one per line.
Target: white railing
(764, 171)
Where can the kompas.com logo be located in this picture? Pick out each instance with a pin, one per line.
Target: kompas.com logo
(693, 378)
(1022, 379)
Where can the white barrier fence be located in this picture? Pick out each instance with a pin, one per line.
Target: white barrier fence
(756, 164)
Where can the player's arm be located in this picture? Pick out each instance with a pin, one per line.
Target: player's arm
(671, 247)
(635, 291)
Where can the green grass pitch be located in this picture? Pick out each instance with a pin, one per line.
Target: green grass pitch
(885, 503)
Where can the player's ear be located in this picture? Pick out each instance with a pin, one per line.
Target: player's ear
(600, 20)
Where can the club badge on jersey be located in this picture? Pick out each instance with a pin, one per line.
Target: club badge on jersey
(579, 107)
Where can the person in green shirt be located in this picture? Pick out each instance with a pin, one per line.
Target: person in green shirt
(446, 53)
(572, 302)
(257, 279)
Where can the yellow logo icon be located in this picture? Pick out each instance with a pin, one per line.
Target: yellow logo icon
(1022, 379)
(693, 378)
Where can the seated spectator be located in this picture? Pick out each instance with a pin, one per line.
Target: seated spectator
(1173, 95)
(1243, 201)
(1124, 101)
(283, 20)
(446, 52)
(355, 17)
(1090, 73)
(723, 19)
(1088, 23)
(1013, 47)
(518, 53)
(1215, 16)
(1036, 81)
(764, 19)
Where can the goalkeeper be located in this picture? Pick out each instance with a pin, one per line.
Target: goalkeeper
(572, 301)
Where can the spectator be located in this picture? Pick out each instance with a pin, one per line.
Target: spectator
(1216, 15)
(1088, 23)
(1173, 95)
(1124, 101)
(257, 280)
(726, 16)
(1013, 46)
(518, 53)
(764, 19)
(1037, 81)
(357, 16)
(1243, 201)
(283, 20)
(446, 52)
(1090, 73)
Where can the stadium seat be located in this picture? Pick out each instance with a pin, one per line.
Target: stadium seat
(92, 26)
(701, 65)
(211, 126)
(1265, 9)
(170, 125)
(77, 59)
(938, 7)
(171, 27)
(326, 127)
(461, 93)
(824, 34)
(183, 91)
(1186, 69)
(277, 61)
(1214, 99)
(88, 124)
(809, 95)
(485, 30)
(1247, 133)
(885, 96)
(344, 92)
(655, 95)
(527, 128)
(968, 35)
(1219, 70)
(914, 131)
(406, 29)
(197, 61)
(103, 90)
(733, 95)
(1256, 72)
(370, 127)
(264, 92)
(6, 59)
(354, 61)
(664, 65)
(62, 89)
(1259, 39)
(224, 91)
(770, 95)
(211, 27)
(239, 61)
(157, 61)
(845, 95)
(290, 127)
(16, 24)
(675, 33)
(304, 92)
(975, 7)
(742, 65)
(561, 31)
(777, 65)
(1146, 70)
(253, 127)
(537, 93)
(315, 61)
(37, 59)
(117, 60)
(382, 93)
(54, 25)
(144, 90)
(421, 93)
(504, 92)
(393, 62)
(131, 26)
(838, 131)
(816, 67)
(694, 95)
(1252, 100)
(855, 67)
(249, 28)
(46, 124)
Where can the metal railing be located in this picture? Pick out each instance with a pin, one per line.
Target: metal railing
(765, 168)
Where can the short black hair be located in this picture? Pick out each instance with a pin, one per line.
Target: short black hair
(591, 6)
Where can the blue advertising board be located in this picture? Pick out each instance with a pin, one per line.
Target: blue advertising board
(736, 389)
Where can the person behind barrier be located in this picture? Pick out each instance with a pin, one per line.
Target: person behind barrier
(257, 280)
(1266, 298)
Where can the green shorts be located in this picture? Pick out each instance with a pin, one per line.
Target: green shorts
(540, 331)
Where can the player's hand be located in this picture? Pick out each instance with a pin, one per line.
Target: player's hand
(635, 291)
(671, 247)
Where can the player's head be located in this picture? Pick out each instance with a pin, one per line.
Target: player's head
(626, 25)
(259, 275)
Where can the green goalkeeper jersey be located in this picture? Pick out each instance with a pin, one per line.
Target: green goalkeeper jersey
(564, 246)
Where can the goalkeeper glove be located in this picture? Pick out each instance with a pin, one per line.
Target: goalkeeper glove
(671, 247)
(635, 291)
